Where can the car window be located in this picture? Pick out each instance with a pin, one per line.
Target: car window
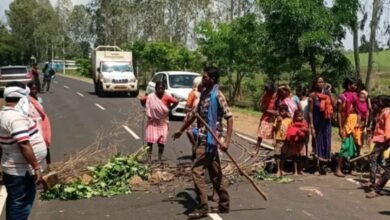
(17, 70)
(157, 78)
(181, 81)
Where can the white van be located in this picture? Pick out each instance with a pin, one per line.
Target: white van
(178, 85)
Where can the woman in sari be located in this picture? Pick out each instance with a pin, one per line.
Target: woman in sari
(157, 106)
(267, 120)
(284, 97)
(192, 102)
(320, 122)
(348, 122)
(38, 115)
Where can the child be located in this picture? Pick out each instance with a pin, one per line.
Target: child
(382, 141)
(280, 128)
(363, 111)
(297, 135)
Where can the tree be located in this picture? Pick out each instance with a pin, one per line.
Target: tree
(10, 48)
(235, 47)
(346, 12)
(377, 9)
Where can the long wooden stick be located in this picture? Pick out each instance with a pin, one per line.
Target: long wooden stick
(265, 197)
(374, 151)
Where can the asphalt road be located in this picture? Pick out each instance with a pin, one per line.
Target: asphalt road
(79, 118)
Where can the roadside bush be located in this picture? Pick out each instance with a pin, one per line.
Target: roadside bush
(84, 67)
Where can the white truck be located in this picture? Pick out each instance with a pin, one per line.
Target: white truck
(113, 71)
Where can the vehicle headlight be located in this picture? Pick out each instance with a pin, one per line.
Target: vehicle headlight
(178, 97)
(106, 80)
(132, 80)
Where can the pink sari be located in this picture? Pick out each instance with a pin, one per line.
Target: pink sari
(157, 125)
(44, 122)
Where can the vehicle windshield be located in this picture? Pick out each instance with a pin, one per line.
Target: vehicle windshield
(181, 81)
(16, 70)
(116, 67)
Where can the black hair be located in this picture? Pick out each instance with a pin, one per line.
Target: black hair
(348, 81)
(283, 107)
(160, 83)
(212, 72)
(31, 84)
(314, 82)
(270, 87)
(384, 100)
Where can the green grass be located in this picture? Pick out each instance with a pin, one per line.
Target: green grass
(381, 61)
(246, 111)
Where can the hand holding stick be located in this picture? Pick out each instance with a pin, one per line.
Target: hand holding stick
(265, 197)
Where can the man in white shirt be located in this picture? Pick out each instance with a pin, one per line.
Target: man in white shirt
(24, 152)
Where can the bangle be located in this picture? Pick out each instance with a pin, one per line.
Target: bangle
(37, 168)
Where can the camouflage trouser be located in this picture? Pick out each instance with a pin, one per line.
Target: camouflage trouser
(211, 162)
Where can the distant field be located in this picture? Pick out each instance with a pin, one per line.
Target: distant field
(381, 75)
(381, 61)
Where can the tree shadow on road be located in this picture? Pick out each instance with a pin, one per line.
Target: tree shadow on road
(384, 212)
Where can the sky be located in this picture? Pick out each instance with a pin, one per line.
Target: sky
(347, 42)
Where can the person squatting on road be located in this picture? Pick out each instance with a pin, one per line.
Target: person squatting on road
(157, 106)
(381, 139)
(212, 108)
(24, 152)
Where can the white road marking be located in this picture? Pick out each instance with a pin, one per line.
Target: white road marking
(101, 107)
(66, 87)
(192, 194)
(131, 132)
(254, 141)
(352, 181)
(80, 94)
(3, 197)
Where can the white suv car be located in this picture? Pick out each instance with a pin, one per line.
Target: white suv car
(178, 85)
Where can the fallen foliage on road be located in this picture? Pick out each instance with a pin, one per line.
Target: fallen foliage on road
(113, 178)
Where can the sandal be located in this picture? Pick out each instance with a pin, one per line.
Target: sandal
(219, 210)
(197, 214)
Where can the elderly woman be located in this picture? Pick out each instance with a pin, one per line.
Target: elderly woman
(157, 106)
(284, 97)
(192, 103)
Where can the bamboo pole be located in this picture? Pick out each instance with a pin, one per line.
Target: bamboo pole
(265, 197)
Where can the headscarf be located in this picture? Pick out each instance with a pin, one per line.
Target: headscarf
(17, 92)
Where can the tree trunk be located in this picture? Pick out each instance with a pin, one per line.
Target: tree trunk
(376, 13)
(355, 31)
(312, 62)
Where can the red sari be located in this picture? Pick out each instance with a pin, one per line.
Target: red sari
(265, 130)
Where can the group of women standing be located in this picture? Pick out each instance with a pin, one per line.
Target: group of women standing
(317, 106)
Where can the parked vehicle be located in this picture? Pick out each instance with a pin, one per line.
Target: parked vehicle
(14, 73)
(113, 71)
(178, 84)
